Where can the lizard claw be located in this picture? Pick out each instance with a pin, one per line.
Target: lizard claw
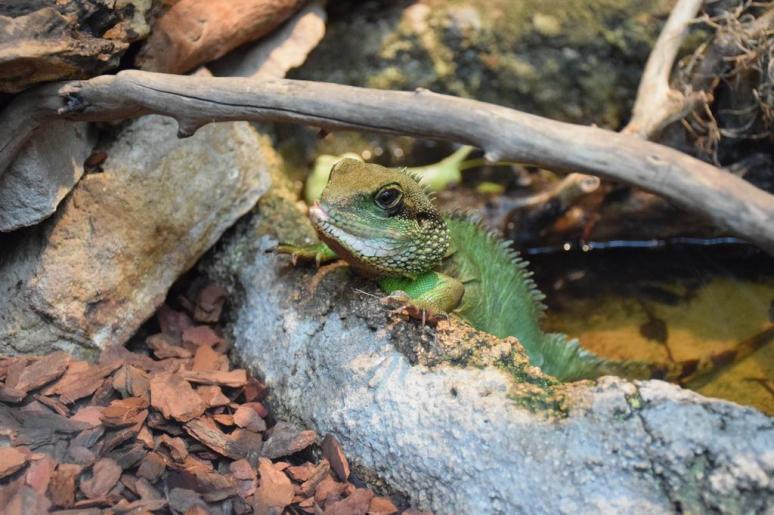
(405, 306)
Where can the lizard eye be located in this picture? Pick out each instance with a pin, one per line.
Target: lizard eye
(388, 197)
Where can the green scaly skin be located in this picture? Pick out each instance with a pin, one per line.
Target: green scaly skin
(383, 223)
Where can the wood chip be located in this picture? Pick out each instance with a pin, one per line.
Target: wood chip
(355, 504)
(201, 335)
(177, 448)
(245, 476)
(301, 473)
(129, 455)
(11, 460)
(329, 491)
(129, 411)
(105, 475)
(212, 395)
(11, 395)
(234, 379)
(42, 371)
(224, 419)
(332, 452)
(79, 382)
(275, 491)
(175, 398)
(152, 467)
(255, 390)
(248, 418)
(381, 506)
(206, 359)
(166, 346)
(91, 415)
(321, 471)
(131, 381)
(182, 500)
(287, 439)
(39, 473)
(240, 444)
(62, 488)
(209, 304)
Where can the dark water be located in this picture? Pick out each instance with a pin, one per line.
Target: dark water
(677, 302)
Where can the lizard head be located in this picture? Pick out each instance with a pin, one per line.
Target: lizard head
(379, 220)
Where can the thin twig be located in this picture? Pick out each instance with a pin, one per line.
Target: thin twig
(504, 134)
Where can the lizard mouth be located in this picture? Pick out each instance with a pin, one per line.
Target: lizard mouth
(318, 214)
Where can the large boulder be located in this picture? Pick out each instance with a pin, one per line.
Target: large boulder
(475, 439)
(96, 270)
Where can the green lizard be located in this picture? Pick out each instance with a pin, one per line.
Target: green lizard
(385, 226)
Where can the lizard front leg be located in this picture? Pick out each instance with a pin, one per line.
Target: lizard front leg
(431, 293)
(320, 253)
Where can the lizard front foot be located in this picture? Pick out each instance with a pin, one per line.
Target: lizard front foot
(320, 253)
(402, 304)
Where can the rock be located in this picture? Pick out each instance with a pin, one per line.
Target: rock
(194, 32)
(576, 60)
(94, 272)
(338, 362)
(45, 170)
(42, 40)
(284, 49)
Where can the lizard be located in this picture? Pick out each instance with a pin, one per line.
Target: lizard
(384, 224)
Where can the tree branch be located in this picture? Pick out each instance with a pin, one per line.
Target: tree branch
(505, 134)
(657, 104)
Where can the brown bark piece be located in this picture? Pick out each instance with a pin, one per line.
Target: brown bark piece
(177, 447)
(129, 455)
(105, 475)
(194, 32)
(175, 398)
(239, 444)
(55, 405)
(91, 415)
(381, 506)
(246, 417)
(209, 303)
(182, 500)
(165, 346)
(275, 490)
(11, 395)
(80, 381)
(62, 487)
(131, 381)
(309, 486)
(333, 453)
(355, 504)
(234, 379)
(201, 335)
(329, 491)
(206, 359)
(129, 411)
(38, 475)
(245, 476)
(152, 467)
(212, 396)
(42, 371)
(255, 390)
(11, 460)
(287, 439)
(301, 473)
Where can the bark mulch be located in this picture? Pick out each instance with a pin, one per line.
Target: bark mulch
(168, 427)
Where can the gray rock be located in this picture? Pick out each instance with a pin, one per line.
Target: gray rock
(456, 440)
(45, 170)
(96, 270)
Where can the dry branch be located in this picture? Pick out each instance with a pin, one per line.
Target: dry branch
(657, 104)
(505, 134)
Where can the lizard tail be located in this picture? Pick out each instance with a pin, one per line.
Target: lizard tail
(567, 360)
